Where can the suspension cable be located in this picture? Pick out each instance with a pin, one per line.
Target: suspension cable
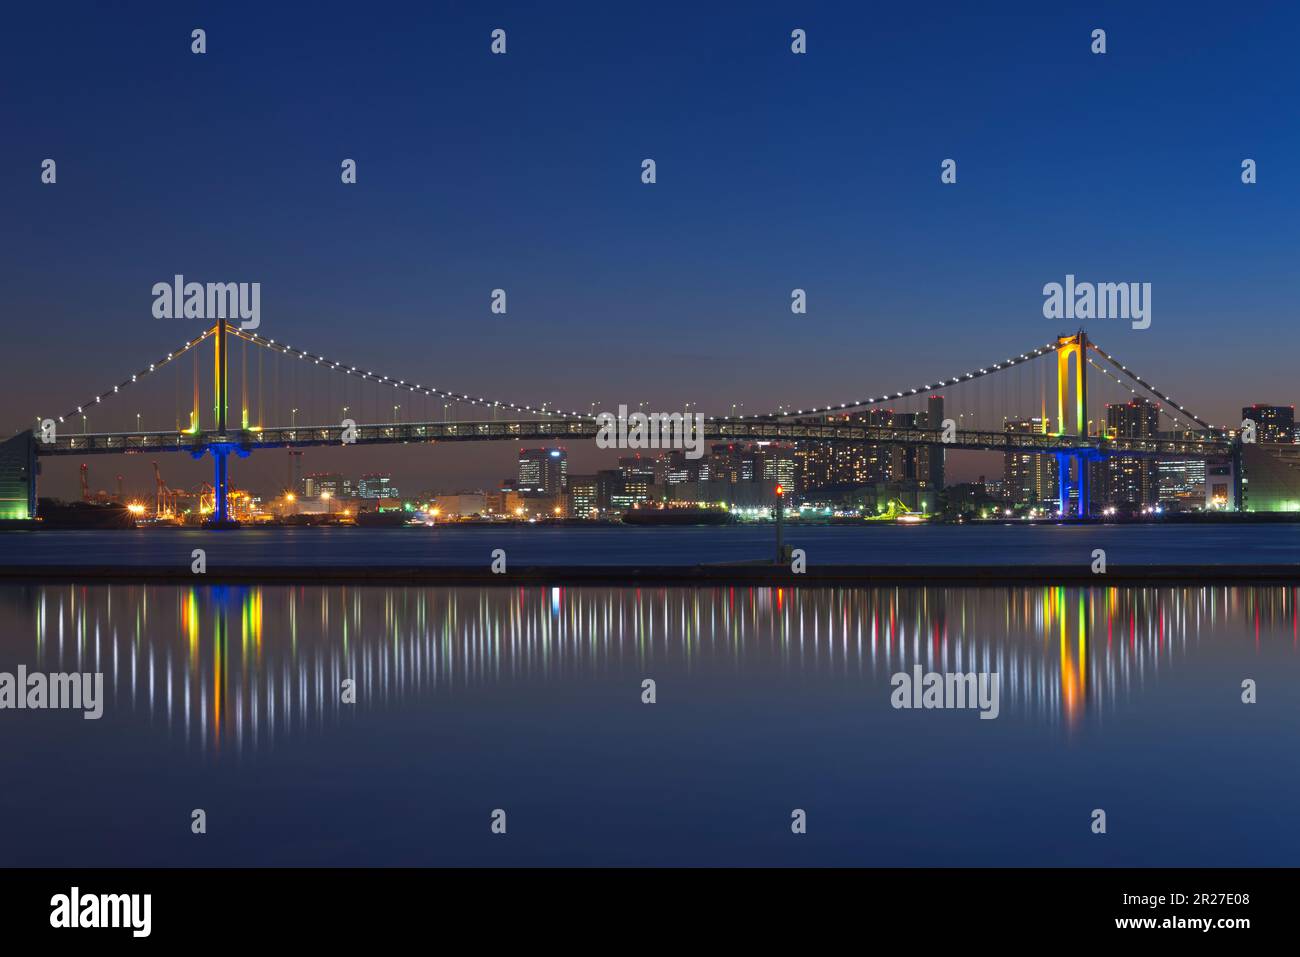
(1147, 385)
(941, 384)
(1114, 378)
(153, 367)
(396, 384)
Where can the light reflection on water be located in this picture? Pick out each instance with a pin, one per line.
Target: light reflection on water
(241, 668)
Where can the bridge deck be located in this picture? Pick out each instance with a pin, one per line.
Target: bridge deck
(585, 429)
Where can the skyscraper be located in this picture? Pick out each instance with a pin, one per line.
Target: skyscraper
(1273, 423)
(1132, 481)
(377, 485)
(779, 465)
(1029, 478)
(543, 471)
(839, 464)
(584, 496)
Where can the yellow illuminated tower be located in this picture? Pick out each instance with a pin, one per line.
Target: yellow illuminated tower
(1076, 346)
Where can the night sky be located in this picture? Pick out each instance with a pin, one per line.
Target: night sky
(522, 172)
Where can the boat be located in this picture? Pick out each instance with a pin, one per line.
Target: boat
(677, 516)
(52, 513)
(391, 519)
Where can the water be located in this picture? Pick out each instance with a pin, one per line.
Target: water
(529, 700)
(604, 545)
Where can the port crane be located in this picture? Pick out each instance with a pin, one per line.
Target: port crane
(165, 506)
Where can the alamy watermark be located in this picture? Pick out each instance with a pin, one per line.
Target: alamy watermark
(129, 911)
(655, 430)
(948, 689)
(179, 299)
(1103, 300)
(76, 690)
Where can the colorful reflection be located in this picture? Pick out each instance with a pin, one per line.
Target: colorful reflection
(239, 667)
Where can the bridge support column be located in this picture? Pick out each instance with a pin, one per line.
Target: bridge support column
(1084, 485)
(220, 485)
(220, 517)
(1080, 482)
(1062, 482)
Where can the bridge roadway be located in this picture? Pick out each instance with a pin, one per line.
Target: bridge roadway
(585, 429)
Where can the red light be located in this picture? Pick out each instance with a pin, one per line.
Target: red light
(780, 490)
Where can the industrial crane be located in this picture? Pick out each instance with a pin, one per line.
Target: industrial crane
(166, 499)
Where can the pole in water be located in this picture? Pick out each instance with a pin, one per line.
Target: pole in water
(780, 524)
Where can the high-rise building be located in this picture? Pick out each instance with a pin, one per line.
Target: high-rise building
(843, 465)
(543, 471)
(922, 464)
(779, 465)
(316, 484)
(674, 468)
(1132, 482)
(735, 462)
(377, 485)
(635, 467)
(936, 455)
(1029, 478)
(620, 491)
(1182, 479)
(1273, 423)
(584, 496)
(295, 471)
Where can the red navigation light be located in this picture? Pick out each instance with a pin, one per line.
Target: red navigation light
(780, 490)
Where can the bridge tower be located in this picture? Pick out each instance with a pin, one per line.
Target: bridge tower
(222, 446)
(1075, 346)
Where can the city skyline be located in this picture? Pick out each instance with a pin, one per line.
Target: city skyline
(936, 274)
(649, 436)
(237, 417)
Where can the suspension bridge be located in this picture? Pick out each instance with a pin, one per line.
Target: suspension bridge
(336, 400)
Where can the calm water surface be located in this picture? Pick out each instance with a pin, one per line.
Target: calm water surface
(604, 545)
(529, 700)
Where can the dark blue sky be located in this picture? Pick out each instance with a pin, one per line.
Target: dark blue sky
(775, 171)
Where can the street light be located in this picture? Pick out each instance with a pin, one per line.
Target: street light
(294, 420)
